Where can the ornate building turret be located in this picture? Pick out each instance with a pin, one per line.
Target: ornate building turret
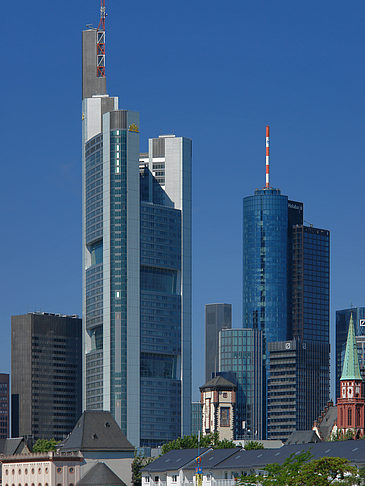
(218, 400)
(351, 404)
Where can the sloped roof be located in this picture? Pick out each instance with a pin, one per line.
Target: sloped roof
(8, 447)
(96, 431)
(303, 437)
(351, 368)
(173, 460)
(212, 458)
(219, 382)
(100, 475)
(325, 426)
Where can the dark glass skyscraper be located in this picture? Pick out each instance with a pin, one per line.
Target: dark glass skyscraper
(286, 286)
(46, 355)
(217, 317)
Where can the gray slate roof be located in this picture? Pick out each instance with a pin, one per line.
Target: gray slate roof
(353, 450)
(96, 431)
(173, 460)
(100, 475)
(303, 437)
(212, 458)
(8, 447)
(219, 382)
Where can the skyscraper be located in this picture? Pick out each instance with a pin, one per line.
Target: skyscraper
(136, 265)
(298, 386)
(285, 276)
(241, 353)
(4, 406)
(217, 317)
(45, 375)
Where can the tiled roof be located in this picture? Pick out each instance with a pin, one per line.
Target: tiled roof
(100, 475)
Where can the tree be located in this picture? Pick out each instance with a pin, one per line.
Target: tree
(137, 465)
(252, 445)
(192, 442)
(278, 474)
(299, 471)
(45, 445)
(327, 471)
(341, 435)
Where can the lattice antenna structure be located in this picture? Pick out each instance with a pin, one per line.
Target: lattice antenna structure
(100, 43)
(267, 157)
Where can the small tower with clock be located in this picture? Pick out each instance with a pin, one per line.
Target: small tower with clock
(351, 404)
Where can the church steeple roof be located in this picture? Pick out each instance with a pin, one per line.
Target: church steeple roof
(351, 368)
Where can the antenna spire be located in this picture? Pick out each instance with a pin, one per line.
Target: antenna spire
(267, 156)
(100, 43)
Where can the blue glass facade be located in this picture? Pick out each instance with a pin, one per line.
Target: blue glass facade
(265, 255)
(240, 352)
(160, 323)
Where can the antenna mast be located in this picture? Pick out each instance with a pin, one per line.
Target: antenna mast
(267, 156)
(100, 43)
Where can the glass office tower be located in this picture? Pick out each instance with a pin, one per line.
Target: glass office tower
(217, 317)
(265, 256)
(240, 352)
(136, 268)
(286, 288)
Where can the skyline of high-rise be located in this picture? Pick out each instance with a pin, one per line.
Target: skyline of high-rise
(136, 265)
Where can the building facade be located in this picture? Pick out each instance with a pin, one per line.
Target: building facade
(196, 418)
(136, 268)
(218, 402)
(342, 326)
(217, 317)
(241, 353)
(4, 406)
(298, 384)
(45, 375)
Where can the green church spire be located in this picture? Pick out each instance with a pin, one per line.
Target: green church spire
(351, 368)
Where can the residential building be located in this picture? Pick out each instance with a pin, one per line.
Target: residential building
(298, 382)
(45, 375)
(217, 317)
(4, 406)
(218, 402)
(286, 280)
(241, 354)
(342, 327)
(222, 467)
(196, 418)
(136, 266)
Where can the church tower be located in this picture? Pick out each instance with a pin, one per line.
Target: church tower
(351, 404)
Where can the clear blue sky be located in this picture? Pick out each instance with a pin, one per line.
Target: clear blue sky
(216, 72)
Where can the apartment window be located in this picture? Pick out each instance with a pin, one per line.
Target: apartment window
(224, 417)
(174, 478)
(156, 479)
(147, 479)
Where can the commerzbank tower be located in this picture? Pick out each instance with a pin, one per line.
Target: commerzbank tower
(136, 239)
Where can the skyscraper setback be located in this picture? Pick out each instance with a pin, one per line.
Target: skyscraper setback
(136, 265)
(286, 285)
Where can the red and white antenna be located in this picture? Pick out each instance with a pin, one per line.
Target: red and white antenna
(267, 156)
(100, 43)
